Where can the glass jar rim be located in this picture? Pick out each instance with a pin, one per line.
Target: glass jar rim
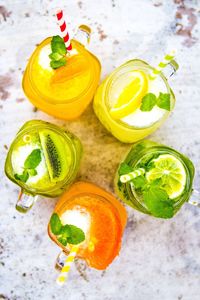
(82, 195)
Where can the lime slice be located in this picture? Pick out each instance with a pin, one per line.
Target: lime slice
(172, 173)
(131, 96)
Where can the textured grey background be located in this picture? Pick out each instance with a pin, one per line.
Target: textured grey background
(159, 259)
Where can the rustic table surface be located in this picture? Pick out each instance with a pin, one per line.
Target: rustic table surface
(159, 259)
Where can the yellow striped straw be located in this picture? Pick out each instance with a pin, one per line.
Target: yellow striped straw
(127, 177)
(166, 60)
(67, 265)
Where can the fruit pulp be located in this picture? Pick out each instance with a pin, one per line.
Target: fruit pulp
(99, 215)
(64, 92)
(160, 162)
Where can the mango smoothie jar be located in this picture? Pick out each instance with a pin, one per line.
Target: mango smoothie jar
(91, 218)
(131, 105)
(64, 92)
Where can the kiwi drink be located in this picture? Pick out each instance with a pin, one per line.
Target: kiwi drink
(43, 160)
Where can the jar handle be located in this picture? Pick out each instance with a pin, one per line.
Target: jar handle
(60, 260)
(83, 35)
(195, 198)
(25, 201)
(170, 69)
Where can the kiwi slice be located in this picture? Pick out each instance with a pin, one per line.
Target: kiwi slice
(57, 154)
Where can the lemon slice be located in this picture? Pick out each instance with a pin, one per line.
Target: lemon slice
(131, 96)
(172, 173)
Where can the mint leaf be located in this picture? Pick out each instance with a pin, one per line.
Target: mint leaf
(58, 45)
(33, 160)
(150, 165)
(55, 56)
(158, 202)
(58, 63)
(63, 240)
(76, 235)
(57, 38)
(65, 231)
(124, 169)
(32, 172)
(163, 101)
(23, 177)
(58, 55)
(148, 102)
(55, 224)
(139, 182)
(156, 183)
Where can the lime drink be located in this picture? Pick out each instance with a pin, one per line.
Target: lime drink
(155, 179)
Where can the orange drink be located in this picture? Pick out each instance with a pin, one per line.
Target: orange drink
(99, 215)
(64, 92)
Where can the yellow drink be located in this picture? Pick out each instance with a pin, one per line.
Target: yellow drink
(118, 85)
(64, 92)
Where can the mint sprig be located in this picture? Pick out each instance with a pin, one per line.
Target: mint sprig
(124, 169)
(150, 100)
(154, 195)
(23, 177)
(30, 164)
(158, 202)
(163, 101)
(66, 233)
(58, 55)
(139, 182)
(33, 160)
(55, 224)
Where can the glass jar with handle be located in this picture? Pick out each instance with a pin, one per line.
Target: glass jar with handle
(131, 104)
(43, 160)
(64, 92)
(100, 217)
(156, 180)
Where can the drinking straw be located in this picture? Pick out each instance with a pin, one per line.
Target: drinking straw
(166, 60)
(63, 29)
(67, 265)
(127, 177)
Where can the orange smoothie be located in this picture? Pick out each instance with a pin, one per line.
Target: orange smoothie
(102, 218)
(64, 92)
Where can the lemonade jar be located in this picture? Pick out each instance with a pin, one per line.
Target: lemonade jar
(156, 179)
(90, 218)
(131, 103)
(43, 160)
(64, 87)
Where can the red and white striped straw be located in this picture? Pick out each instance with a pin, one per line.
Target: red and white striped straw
(63, 29)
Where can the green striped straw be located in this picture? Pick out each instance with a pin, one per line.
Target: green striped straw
(128, 177)
(166, 60)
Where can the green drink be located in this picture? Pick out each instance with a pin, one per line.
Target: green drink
(155, 179)
(43, 160)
